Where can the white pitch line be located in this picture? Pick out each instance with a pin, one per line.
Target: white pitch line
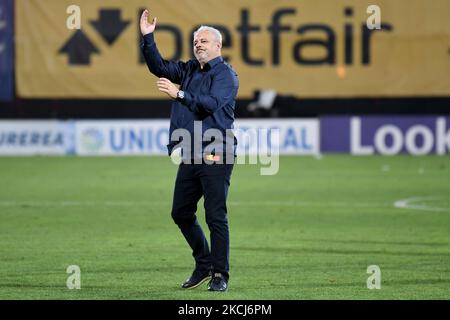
(415, 203)
(412, 203)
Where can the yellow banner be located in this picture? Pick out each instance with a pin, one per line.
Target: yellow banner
(309, 48)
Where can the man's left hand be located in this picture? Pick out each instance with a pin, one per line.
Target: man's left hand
(166, 86)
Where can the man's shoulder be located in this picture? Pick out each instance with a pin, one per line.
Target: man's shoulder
(226, 67)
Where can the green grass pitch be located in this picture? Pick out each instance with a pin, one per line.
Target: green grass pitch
(309, 232)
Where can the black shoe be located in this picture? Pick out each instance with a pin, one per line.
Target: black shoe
(196, 279)
(218, 283)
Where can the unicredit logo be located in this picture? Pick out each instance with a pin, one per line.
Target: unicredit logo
(92, 139)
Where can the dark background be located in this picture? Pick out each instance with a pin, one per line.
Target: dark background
(284, 106)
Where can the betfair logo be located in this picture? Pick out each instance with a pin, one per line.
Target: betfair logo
(282, 33)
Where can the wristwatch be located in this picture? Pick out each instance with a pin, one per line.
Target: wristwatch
(180, 94)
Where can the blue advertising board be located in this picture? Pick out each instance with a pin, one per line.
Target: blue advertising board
(367, 135)
(6, 50)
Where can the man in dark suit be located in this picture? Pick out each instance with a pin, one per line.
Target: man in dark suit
(205, 98)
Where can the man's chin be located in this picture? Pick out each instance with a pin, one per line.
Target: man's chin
(202, 59)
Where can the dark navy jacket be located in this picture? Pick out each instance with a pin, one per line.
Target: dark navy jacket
(210, 92)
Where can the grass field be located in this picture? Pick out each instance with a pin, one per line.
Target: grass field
(309, 232)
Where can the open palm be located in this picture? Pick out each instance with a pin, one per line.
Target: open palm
(147, 27)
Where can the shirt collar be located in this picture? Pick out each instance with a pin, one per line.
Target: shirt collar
(211, 63)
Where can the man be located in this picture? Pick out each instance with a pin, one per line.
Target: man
(208, 88)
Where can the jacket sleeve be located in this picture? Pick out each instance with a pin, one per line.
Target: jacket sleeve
(157, 65)
(223, 90)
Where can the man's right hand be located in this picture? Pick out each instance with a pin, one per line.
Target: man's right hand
(146, 27)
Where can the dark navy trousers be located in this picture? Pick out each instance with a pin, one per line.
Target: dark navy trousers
(210, 181)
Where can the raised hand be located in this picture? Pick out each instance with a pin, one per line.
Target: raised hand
(147, 27)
